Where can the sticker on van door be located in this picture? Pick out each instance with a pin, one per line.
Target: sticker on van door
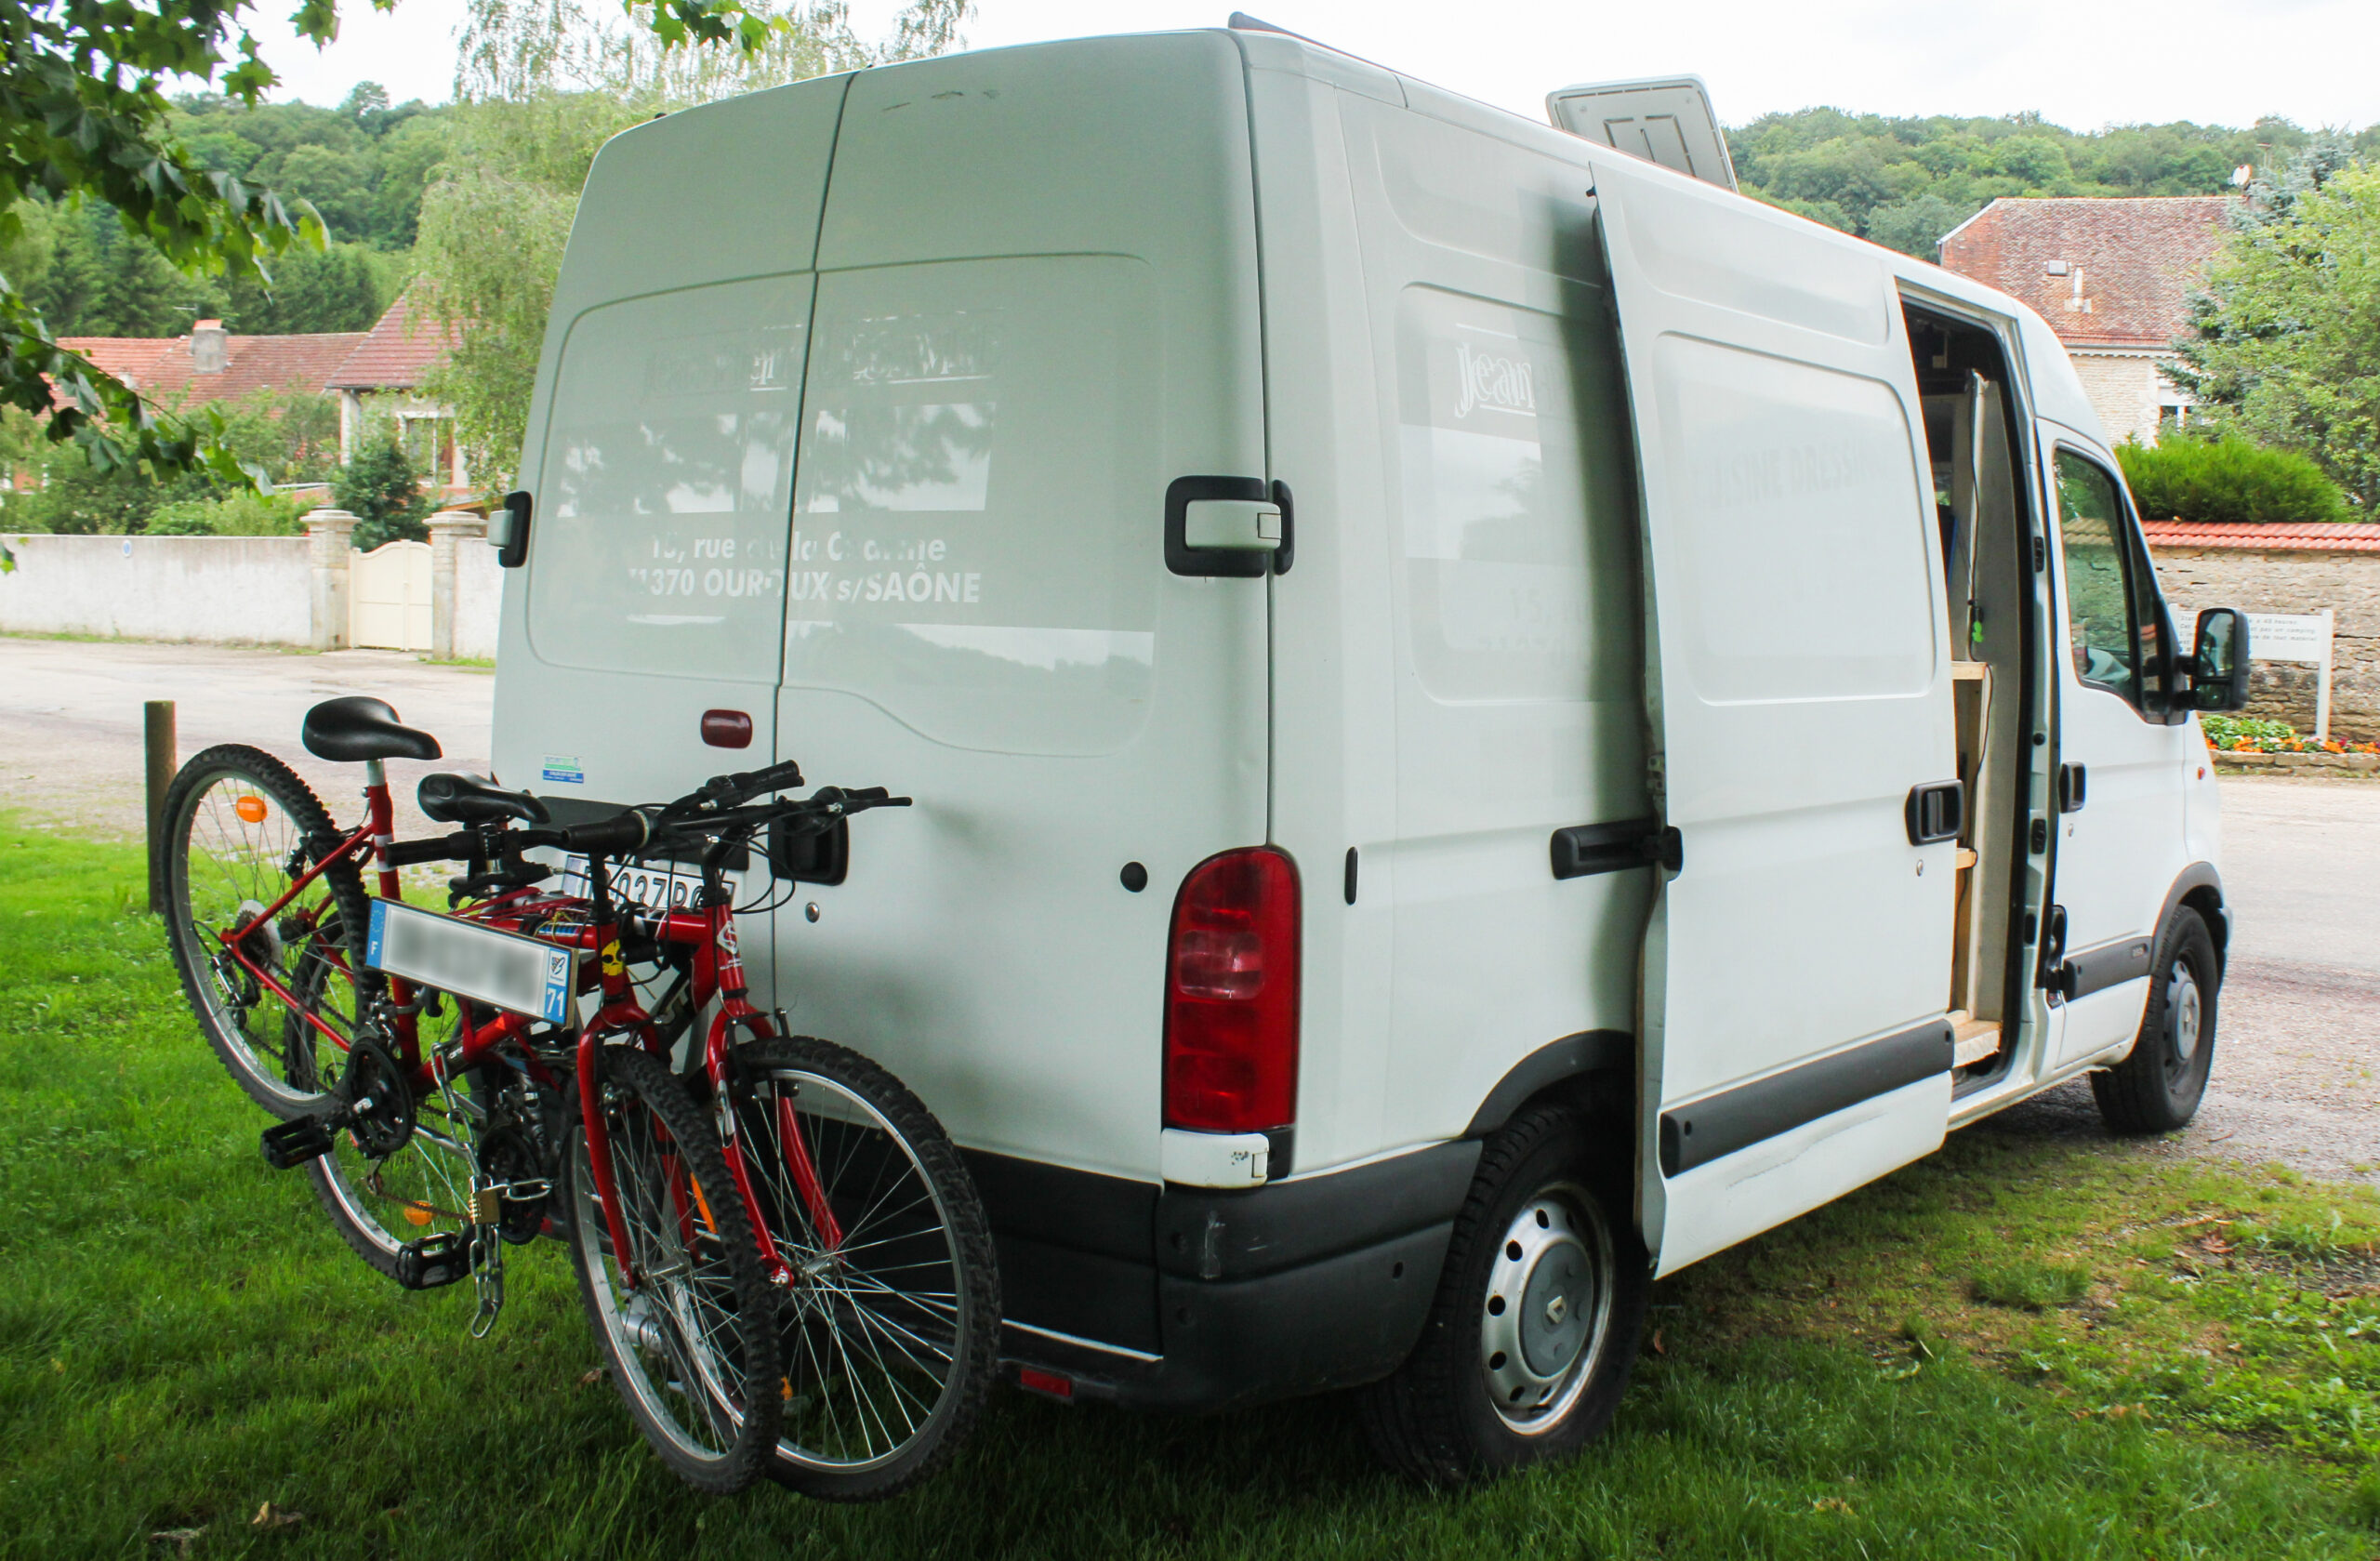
(564, 768)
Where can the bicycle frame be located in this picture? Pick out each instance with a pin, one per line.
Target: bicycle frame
(717, 972)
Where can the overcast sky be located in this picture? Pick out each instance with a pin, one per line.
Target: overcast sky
(2082, 63)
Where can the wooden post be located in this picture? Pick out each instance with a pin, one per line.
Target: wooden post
(157, 736)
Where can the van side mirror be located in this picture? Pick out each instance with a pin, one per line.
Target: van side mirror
(508, 530)
(2219, 660)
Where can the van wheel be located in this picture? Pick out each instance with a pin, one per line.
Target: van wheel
(1539, 1310)
(2157, 1088)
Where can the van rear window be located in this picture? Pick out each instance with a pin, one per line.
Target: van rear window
(970, 546)
(667, 483)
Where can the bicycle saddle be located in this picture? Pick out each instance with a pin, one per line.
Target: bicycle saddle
(358, 727)
(452, 798)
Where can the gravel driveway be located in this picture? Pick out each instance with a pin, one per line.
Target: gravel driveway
(2297, 1062)
(2296, 1077)
(69, 721)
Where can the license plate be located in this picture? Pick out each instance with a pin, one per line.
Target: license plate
(503, 970)
(660, 885)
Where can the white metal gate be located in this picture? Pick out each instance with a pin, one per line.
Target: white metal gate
(389, 597)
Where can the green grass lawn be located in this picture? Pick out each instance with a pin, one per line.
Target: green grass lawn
(2019, 1348)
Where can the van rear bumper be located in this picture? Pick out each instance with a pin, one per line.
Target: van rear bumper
(1186, 1298)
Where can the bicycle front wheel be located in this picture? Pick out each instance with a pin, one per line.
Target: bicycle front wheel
(890, 1335)
(238, 829)
(685, 1314)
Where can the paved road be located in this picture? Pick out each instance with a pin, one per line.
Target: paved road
(70, 719)
(2296, 1078)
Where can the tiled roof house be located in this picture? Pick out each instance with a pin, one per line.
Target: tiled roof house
(2112, 276)
(387, 363)
(212, 364)
(381, 369)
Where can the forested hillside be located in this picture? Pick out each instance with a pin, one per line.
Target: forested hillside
(362, 165)
(1905, 182)
(365, 166)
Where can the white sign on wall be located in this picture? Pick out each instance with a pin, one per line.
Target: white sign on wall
(2301, 637)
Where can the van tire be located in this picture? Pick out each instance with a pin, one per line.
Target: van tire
(1436, 1420)
(2157, 1087)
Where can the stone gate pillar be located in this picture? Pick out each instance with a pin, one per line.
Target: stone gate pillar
(328, 531)
(447, 528)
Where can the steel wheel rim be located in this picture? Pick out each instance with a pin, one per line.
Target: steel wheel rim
(2184, 1013)
(843, 1311)
(684, 1331)
(1546, 1315)
(226, 864)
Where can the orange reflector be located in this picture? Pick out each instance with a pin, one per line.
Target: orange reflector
(250, 808)
(417, 1214)
(704, 1204)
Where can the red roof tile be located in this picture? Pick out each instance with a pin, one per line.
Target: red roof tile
(395, 354)
(2363, 537)
(2137, 260)
(162, 367)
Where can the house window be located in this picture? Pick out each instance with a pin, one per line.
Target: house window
(429, 444)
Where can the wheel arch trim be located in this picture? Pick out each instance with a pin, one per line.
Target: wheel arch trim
(1573, 1056)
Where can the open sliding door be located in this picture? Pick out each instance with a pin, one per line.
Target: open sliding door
(1797, 964)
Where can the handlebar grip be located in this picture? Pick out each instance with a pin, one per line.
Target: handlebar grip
(608, 837)
(752, 783)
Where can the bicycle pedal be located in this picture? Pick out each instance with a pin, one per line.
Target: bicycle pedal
(433, 1261)
(293, 1144)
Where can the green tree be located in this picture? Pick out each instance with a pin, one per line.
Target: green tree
(2287, 341)
(380, 487)
(84, 115)
(1905, 182)
(545, 83)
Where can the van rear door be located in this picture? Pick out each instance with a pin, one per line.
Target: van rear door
(1036, 308)
(1797, 968)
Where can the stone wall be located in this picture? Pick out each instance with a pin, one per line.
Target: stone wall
(2285, 581)
(230, 589)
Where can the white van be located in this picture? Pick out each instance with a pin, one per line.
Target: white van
(1489, 717)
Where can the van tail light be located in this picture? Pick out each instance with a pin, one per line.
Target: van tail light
(1231, 995)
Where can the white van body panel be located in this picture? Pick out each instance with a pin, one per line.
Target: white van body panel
(1038, 306)
(1800, 685)
(1513, 601)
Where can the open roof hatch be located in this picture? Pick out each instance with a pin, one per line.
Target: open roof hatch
(1665, 120)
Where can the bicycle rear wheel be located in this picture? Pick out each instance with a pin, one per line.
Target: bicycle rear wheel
(891, 1334)
(238, 825)
(686, 1321)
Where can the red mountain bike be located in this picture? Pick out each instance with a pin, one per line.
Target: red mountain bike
(777, 1212)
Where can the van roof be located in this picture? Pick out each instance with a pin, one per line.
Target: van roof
(2050, 385)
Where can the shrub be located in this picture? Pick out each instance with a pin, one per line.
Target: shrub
(381, 490)
(241, 513)
(2228, 480)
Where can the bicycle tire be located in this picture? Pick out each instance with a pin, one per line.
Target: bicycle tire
(245, 816)
(715, 1421)
(912, 1330)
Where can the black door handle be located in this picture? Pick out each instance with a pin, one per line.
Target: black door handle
(1586, 849)
(2073, 787)
(1936, 810)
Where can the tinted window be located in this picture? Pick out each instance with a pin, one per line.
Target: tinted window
(1518, 503)
(668, 483)
(2106, 611)
(971, 545)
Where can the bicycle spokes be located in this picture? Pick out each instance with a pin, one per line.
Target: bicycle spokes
(872, 1314)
